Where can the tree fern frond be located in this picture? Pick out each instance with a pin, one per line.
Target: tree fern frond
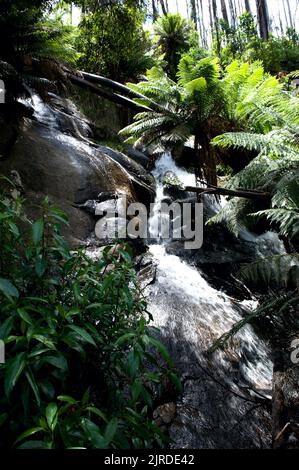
(280, 271)
(234, 215)
(287, 220)
(279, 305)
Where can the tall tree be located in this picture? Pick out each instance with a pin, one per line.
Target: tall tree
(290, 13)
(233, 15)
(155, 10)
(193, 12)
(202, 29)
(216, 24)
(164, 7)
(263, 18)
(224, 11)
(247, 6)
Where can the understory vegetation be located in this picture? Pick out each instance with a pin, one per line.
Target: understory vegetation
(81, 368)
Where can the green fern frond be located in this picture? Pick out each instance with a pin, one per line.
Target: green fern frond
(281, 271)
(234, 215)
(279, 305)
(287, 220)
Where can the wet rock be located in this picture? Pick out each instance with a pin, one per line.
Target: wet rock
(8, 135)
(165, 414)
(137, 156)
(130, 165)
(69, 119)
(67, 170)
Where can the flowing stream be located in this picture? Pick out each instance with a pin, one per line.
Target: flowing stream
(219, 406)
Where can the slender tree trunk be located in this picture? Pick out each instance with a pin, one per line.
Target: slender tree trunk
(224, 11)
(211, 17)
(232, 13)
(285, 14)
(290, 13)
(247, 6)
(216, 25)
(155, 10)
(193, 12)
(164, 7)
(281, 25)
(202, 24)
(263, 18)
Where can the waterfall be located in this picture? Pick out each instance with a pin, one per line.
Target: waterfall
(191, 315)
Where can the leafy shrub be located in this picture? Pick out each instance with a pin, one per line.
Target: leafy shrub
(77, 348)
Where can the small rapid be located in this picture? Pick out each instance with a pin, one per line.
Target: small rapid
(219, 389)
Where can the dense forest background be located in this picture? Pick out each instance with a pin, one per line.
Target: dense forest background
(83, 369)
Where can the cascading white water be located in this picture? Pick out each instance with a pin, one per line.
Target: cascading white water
(192, 315)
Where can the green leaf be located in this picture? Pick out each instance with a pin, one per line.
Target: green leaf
(97, 412)
(83, 334)
(6, 327)
(124, 339)
(40, 266)
(111, 429)
(35, 445)
(24, 315)
(37, 231)
(14, 229)
(67, 399)
(136, 389)
(93, 432)
(33, 385)
(161, 348)
(57, 361)
(28, 433)
(13, 371)
(52, 415)
(176, 381)
(47, 342)
(8, 288)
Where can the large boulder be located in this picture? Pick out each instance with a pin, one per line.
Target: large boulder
(67, 170)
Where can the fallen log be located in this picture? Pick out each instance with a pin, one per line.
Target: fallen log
(119, 87)
(113, 97)
(245, 193)
(107, 82)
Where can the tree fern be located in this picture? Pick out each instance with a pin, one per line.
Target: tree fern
(281, 271)
(278, 305)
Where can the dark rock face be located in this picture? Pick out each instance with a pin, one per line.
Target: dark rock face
(137, 156)
(53, 156)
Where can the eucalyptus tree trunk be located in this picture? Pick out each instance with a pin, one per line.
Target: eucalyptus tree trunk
(290, 13)
(200, 18)
(216, 25)
(164, 7)
(247, 6)
(211, 17)
(155, 10)
(232, 13)
(224, 11)
(281, 25)
(263, 18)
(193, 13)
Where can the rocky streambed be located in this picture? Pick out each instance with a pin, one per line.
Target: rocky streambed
(225, 401)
